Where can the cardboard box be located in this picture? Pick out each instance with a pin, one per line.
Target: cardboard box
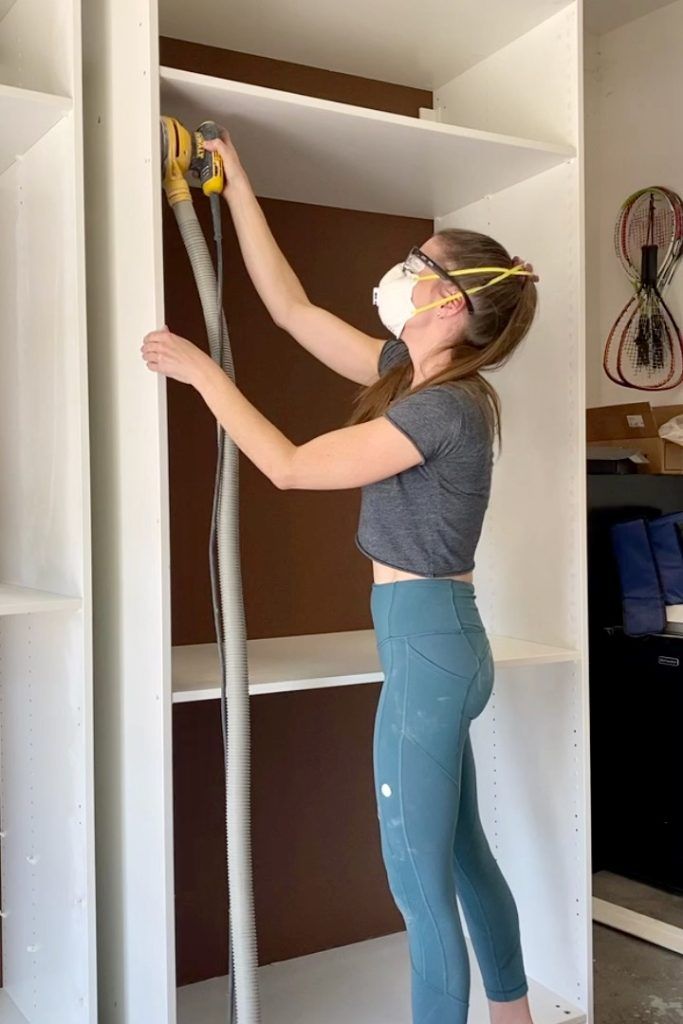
(636, 425)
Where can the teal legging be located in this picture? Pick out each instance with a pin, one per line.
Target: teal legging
(438, 676)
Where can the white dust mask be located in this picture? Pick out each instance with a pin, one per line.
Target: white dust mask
(393, 297)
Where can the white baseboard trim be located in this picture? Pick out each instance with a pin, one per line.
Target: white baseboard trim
(648, 928)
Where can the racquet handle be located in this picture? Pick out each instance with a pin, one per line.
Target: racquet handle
(648, 266)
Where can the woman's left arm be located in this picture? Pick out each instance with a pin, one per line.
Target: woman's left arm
(343, 458)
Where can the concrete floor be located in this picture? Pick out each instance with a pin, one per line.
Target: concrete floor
(635, 981)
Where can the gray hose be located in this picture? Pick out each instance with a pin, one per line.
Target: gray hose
(232, 647)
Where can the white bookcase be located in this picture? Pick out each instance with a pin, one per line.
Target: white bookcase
(46, 707)
(505, 155)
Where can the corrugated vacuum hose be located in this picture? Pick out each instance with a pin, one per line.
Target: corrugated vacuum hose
(228, 607)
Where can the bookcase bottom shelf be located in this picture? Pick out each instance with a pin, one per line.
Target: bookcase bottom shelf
(321, 659)
(366, 982)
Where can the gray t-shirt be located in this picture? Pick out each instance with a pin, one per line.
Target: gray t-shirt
(428, 519)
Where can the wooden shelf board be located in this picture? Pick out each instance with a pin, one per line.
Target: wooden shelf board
(326, 153)
(25, 600)
(366, 982)
(650, 929)
(26, 116)
(319, 660)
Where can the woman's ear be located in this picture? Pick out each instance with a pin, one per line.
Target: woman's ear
(452, 308)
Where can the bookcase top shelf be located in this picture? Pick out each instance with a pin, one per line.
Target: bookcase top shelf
(326, 153)
(419, 45)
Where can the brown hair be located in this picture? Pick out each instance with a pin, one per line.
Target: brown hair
(502, 316)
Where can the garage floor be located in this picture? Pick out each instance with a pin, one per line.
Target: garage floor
(635, 981)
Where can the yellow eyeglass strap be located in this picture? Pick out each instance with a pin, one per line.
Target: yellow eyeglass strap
(500, 272)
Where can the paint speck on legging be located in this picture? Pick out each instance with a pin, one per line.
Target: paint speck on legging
(386, 789)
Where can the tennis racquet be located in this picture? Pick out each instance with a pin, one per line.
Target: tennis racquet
(644, 349)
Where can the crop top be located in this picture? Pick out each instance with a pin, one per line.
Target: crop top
(428, 518)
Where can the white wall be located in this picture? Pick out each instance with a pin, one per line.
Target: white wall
(634, 138)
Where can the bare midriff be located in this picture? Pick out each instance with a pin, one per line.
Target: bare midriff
(387, 574)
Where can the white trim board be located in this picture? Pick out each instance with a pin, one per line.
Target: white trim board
(660, 933)
(319, 660)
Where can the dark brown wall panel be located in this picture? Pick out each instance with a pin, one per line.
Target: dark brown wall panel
(280, 74)
(302, 572)
(319, 879)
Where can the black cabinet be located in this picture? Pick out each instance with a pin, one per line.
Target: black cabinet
(637, 756)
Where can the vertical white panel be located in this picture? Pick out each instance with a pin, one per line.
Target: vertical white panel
(130, 516)
(594, 340)
(526, 89)
(47, 934)
(40, 46)
(529, 569)
(535, 524)
(530, 748)
(45, 660)
(43, 417)
(531, 581)
(531, 743)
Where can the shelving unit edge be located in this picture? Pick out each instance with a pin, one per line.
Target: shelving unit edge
(48, 861)
(131, 551)
(131, 557)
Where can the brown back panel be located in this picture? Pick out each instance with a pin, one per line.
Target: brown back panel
(319, 880)
(302, 572)
(280, 74)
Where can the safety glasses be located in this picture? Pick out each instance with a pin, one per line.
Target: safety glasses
(417, 260)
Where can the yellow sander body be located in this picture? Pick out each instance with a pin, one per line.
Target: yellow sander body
(183, 153)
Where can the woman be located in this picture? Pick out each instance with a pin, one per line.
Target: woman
(420, 446)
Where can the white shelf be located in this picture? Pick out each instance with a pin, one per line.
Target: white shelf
(8, 1011)
(366, 982)
(25, 117)
(24, 601)
(320, 659)
(403, 42)
(333, 154)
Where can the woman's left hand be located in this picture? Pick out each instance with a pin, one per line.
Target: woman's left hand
(175, 357)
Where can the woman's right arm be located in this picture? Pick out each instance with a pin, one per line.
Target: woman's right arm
(343, 348)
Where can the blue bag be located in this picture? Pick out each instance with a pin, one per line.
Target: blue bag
(642, 598)
(666, 545)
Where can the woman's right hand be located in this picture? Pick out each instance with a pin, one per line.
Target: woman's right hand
(232, 168)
